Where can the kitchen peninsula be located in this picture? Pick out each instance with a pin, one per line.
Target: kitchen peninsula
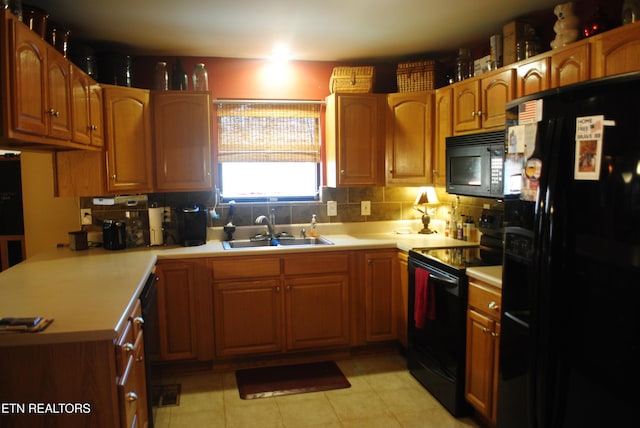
(93, 297)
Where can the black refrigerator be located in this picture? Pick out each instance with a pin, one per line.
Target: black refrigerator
(570, 327)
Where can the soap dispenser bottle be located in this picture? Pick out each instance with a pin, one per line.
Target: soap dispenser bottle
(313, 231)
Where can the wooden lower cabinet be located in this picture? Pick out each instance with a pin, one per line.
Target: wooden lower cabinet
(380, 296)
(130, 365)
(317, 311)
(185, 320)
(483, 342)
(101, 383)
(402, 298)
(274, 304)
(248, 317)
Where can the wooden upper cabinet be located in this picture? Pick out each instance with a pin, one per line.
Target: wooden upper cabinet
(479, 102)
(355, 140)
(443, 129)
(616, 51)
(466, 105)
(87, 110)
(533, 76)
(571, 64)
(410, 126)
(497, 89)
(128, 144)
(182, 140)
(41, 88)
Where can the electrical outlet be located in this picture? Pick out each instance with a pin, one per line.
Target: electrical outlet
(85, 216)
(166, 214)
(332, 208)
(365, 208)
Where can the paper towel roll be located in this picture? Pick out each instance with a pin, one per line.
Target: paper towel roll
(155, 225)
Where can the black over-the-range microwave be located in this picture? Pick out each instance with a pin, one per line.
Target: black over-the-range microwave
(474, 164)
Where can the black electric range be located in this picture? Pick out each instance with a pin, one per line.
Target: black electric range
(437, 338)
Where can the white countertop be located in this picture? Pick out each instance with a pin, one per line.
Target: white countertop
(89, 292)
(490, 274)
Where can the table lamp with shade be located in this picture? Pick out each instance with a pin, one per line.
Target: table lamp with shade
(426, 196)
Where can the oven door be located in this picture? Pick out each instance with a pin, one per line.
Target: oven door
(436, 352)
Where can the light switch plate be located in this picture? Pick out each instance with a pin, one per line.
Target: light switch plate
(332, 208)
(365, 208)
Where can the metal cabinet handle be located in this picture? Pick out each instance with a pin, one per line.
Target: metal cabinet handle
(113, 177)
(53, 112)
(480, 113)
(494, 334)
(493, 306)
(342, 171)
(129, 347)
(138, 321)
(131, 396)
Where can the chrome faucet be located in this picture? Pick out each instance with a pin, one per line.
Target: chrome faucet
(262, 218)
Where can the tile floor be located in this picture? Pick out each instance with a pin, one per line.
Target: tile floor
(382, 394)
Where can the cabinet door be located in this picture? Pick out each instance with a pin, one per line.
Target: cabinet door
(571, 65)
(317, 311)
(497, 89)
(80, 107)
(466, 105)
(616, 51)
(409, 129)
(402, 298)
(379, 296)
(59, 96)
(248, 317)
(29, 63)
(533, 76)
(96, 114)
(355, 140)
(480, 362)
(177, 310)
(128, 124)
(182, 141)
(443, 129)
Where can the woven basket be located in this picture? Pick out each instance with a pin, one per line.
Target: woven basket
(352, 79)
(419, 76)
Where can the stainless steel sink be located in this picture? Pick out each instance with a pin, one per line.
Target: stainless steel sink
(248, 243)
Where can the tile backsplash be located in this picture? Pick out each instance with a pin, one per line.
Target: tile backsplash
(387, 204)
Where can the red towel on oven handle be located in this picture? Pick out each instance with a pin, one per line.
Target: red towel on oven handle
(425, 298)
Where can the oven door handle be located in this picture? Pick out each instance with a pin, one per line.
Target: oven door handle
(447, 281)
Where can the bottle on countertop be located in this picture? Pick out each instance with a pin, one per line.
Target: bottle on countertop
(469, 229)
(459, 229)
(313, 230)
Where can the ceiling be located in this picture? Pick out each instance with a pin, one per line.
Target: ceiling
(314, 30)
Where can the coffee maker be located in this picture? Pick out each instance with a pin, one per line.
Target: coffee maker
(192, 225)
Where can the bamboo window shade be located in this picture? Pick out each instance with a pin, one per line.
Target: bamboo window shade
(268, 132)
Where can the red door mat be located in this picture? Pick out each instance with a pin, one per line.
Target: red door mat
(293, 379)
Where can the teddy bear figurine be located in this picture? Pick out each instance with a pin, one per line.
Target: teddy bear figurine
(566, 26)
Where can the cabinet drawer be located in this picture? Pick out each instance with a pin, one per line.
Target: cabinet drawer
(135, 318)
(485, 298)
(245, 267)
(316, 263)
(125, 348)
